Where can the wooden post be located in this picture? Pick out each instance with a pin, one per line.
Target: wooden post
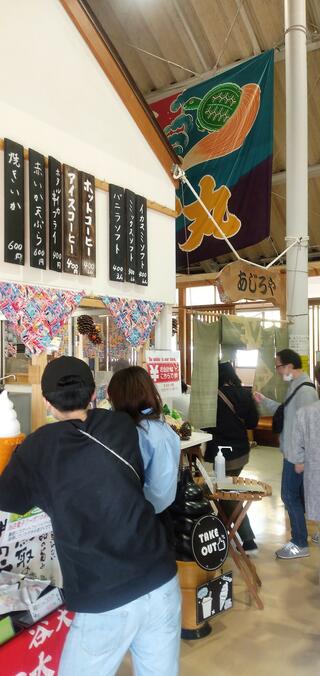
(283, 295)
(38, 411)
(188, 374)
(182, 313)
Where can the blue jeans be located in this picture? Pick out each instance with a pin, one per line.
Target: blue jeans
(293, 497)
(149, 627)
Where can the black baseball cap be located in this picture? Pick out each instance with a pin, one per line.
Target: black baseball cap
(60, 368)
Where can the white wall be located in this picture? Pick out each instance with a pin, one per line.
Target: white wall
(314, 287)
(55, 98)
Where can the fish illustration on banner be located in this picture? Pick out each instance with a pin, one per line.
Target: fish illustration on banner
(223, 131)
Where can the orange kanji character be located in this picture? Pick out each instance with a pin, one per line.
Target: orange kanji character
(216, 202)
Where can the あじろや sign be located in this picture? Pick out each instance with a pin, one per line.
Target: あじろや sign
(209, 542)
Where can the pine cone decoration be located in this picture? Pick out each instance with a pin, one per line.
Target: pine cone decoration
(85, 324)
(95, 335)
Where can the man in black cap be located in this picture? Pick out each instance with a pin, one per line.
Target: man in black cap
(119, 576)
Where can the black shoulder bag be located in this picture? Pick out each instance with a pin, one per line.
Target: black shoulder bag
(278, 416)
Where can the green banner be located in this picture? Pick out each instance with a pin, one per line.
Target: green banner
(204, 385)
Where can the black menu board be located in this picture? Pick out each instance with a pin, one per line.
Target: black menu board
(71, 239)
(130, 200)
(13, 202)
(88, 225)
(37, 210)
(142, 241)
(117, 234)
(55, 214)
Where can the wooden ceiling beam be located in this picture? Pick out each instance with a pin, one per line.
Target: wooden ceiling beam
(279, 55)
(208, 278)
(120, 78)
(280, 176)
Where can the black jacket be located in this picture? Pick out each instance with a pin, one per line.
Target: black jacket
(230, 430)
(111, 547)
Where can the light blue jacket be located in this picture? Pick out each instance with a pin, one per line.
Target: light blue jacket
(160, 450)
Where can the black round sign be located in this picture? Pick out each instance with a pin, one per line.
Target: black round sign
(209, 542)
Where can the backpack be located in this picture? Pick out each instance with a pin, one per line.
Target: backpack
(278, 416)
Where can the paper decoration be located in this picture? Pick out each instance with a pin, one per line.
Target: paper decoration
(37, 314)
(134, 318)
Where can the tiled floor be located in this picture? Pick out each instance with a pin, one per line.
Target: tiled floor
(283, 639)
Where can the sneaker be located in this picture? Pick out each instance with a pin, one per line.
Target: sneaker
(249, 545)
(292, 551)
(316, 538)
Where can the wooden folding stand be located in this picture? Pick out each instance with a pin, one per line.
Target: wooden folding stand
(244, 499)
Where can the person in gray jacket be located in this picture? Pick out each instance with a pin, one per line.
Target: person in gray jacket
(289, 366)
(306, 455)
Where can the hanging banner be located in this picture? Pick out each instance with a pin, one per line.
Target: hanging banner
(130, 199)
(88, 225)
(37, 210)
(13, 202)
(117, 234)
(223, 130)
(239, 280)
(55, 214)
(71, 235)
(142, 241)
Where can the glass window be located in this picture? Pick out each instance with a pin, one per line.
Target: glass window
(246, 358)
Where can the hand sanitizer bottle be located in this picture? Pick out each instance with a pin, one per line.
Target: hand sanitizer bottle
(220, 465)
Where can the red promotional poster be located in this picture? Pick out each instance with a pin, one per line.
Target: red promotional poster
(164, 369)
(37, 651)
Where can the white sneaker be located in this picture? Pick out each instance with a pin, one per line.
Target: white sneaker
(292, 551)
(316, 537)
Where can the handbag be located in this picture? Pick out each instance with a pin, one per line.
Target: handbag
(278, 416)
(230, 405)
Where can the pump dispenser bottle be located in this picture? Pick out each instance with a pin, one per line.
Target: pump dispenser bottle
(220, 465)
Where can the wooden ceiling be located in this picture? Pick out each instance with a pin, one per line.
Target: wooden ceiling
(202, 37)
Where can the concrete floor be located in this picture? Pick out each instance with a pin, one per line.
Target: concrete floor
(282, 639)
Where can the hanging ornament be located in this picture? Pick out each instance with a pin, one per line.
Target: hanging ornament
(85, 324)
(95, 335)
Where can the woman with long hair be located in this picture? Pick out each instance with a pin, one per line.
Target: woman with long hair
(132, 390)
(236, 413)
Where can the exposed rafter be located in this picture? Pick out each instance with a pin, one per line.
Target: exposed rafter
(279, 55)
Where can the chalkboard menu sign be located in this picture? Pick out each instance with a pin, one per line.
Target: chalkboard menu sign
(88, 225)
(117, 234)
(37, 210)
(13, 202)
(142, 241)
(71, 255)
(130, 200)
(55, 215)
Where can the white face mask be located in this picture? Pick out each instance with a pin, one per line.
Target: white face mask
(287, 377)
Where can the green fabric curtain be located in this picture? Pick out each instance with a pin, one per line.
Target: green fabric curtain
(241, 332)
(266, 380)
(204, 383)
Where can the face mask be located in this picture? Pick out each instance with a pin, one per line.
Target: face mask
(287, 377)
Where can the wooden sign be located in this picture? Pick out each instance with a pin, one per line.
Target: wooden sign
(71, 239)
(142, 241)
(240, 280)
(117, 234)
(130, 200)
(37, 210)
(14, 251)
(88, 225)
(55, 214)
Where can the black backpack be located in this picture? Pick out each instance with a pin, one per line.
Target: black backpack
(278, 416)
